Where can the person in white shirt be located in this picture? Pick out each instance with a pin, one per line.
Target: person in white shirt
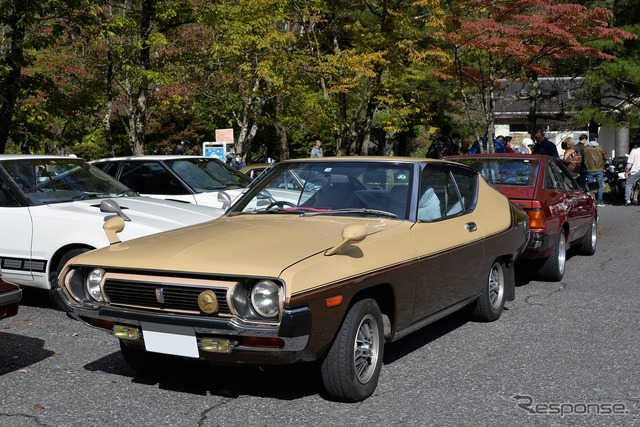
(632, 170)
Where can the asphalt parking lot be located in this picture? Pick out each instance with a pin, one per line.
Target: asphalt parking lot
(563, 353)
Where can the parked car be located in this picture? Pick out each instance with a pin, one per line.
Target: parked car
(51, 209)
(255, 169)
(323, 259)
(561, 214)
(193, 179)
(10, 296)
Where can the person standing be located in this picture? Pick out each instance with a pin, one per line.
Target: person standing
(238, 162)
(543, 145)
(632, 171)
(593, 158)
(180, 148)
(572, 158)
(316, 151)
(443, 145)
(583, 139)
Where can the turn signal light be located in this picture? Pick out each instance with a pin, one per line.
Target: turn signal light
(536, 218)
(333, 301)
(261, 342)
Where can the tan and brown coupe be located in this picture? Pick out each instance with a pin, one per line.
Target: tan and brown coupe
(321, 260)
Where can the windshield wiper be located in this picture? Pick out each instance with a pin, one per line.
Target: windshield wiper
(361, 211)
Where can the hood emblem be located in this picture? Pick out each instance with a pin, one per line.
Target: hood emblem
(208, 302)
(160, 295)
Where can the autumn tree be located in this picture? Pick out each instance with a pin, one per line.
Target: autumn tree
(521, 40)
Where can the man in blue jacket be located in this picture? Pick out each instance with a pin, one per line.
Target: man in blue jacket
(543, 145)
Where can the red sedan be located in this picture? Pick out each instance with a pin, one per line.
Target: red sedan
(10, 296)
(561, 214)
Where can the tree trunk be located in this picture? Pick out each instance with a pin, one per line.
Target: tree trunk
(281, 131)
(248, 122)
(11, 83)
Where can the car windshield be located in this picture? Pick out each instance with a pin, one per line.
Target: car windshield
(331, 188)
(504, 171)
(207, 174)
(60, 180)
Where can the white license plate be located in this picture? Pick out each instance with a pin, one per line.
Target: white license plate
(170, 339)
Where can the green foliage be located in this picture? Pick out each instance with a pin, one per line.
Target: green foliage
(352, 73)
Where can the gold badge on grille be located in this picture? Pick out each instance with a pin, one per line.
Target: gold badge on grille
(208, 302)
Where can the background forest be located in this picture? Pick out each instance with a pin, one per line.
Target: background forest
(116, 77)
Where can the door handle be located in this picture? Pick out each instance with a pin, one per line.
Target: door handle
(471, 226)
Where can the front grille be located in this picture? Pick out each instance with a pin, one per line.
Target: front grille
(175, 297)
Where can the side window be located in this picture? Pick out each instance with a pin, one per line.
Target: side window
(550, 182)
(565, 180)
(150, 178)
(108, 167)
(445, 193)
(7, 198)
(466, 182)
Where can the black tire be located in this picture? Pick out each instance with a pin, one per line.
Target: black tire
(351, 368)
(143, 361)
(553, 268)
(53, 277)
(588, 245)
(489, 306)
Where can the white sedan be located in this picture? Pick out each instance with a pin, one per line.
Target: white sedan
(52, 208)
(193, 179)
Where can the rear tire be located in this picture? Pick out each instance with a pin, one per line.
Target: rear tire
(553, 268)
(351, 368)
(489, 306)
(588, 245)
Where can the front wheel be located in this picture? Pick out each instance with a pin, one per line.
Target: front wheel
(351, 368)
(489, 306)
(553, 268)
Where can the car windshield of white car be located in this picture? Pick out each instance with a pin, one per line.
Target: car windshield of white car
(204, 174)
(335, 188)
(61, 180)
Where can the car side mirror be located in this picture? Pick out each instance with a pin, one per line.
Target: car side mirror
(225, 199)
(350, 234)
(112, 227)
(111, 206)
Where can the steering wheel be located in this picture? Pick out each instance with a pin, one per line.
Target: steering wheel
(280, 204)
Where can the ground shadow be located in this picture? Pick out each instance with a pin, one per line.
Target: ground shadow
(203, 378)
(280, 382)
(19, 351)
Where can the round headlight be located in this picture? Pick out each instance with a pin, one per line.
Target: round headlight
(264, 299)
(92, 283)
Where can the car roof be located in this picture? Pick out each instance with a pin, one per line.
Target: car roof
(366, 159)
(34, 156)
(498, 156)
(153, 157)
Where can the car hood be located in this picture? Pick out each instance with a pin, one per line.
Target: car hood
(147, 214)
(260, 245)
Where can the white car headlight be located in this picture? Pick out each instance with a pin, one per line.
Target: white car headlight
(264, 299)
(92, 283)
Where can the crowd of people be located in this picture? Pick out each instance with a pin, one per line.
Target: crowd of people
(585, 159)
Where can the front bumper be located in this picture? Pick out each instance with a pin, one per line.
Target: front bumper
(290, 335)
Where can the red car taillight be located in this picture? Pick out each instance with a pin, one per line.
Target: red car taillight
(536, 218)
